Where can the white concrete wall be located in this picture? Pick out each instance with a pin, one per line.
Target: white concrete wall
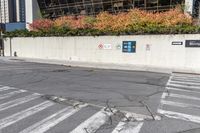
(85, 49)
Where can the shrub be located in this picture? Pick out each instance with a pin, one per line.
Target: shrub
(41, 24)
(134, 21)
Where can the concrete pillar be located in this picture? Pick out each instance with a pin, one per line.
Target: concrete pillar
(189, 6)
(32, 11)
(29, 12)
(17, 10)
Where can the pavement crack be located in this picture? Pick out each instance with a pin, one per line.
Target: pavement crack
(86, 130)
(148, 109)
(61, 100)
(108, 107)
(38, 81)
(155, 93)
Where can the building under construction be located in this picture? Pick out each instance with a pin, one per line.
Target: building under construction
(56, 8)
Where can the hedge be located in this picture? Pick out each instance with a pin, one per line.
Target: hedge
(133, 22)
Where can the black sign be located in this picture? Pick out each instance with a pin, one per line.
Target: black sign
(192, 43)
(129, 47)
(177, 43)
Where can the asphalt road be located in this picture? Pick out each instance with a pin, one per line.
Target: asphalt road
(99, 101)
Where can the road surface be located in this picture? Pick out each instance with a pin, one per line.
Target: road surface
(37, 98)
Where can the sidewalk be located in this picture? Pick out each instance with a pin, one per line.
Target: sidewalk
(127, 67)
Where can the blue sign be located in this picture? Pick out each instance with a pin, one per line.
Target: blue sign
(129, 47)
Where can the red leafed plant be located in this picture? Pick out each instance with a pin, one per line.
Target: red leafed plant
(134, 19)
(41, 24)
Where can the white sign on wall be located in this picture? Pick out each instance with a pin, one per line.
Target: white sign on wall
(105, 46)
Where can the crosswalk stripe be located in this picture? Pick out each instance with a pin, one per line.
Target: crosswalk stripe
(6, 88)
(182, 86)
(181, 116)
(51, 121)
(181, 96)
(185, 80)
(182, 82)
(186, 77)
(164, 95)
(17, 102)
(23, 114)
(131, 127)
(7, 95)
(184, 105)
(93, 123)
(176, 89)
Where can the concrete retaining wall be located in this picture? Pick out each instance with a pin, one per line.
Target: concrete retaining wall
(151, 50)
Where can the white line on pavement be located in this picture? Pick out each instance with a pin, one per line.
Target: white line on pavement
(7, 95)
(164, 95)
(51, 121)
(180, 116)
(186, 75)
(183, 86)
(93, 123)
(176, 89)
(185, 80)
(181, 96)
(186, 83)
(177, 104)
(6, 88)
(130, 127)
(17, 102)
(23, 114)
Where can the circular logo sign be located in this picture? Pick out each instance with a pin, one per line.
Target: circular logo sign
(100, 46)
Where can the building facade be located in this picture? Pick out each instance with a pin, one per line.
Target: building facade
(56, 8)
(12, 13)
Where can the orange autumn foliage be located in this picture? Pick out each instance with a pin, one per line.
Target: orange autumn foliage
(120, 22)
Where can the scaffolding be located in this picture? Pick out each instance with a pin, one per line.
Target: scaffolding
(57, 8)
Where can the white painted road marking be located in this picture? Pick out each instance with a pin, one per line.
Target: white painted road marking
(181, 96)
(3, 96)
(93, 123)
(183, 86)
(186, 83)
(186, 80)
(181, 116)
(183, 105)
(176, 89)
(6, 88)
(17, 102)
(23, 114)
(51, 121)
(186, 77)
(130, 127)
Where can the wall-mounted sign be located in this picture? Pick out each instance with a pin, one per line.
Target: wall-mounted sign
(118, 47)
(177, 43)
(100, 46)
(105, 46)
(148, 47)
(129, 47)
(192, 43)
